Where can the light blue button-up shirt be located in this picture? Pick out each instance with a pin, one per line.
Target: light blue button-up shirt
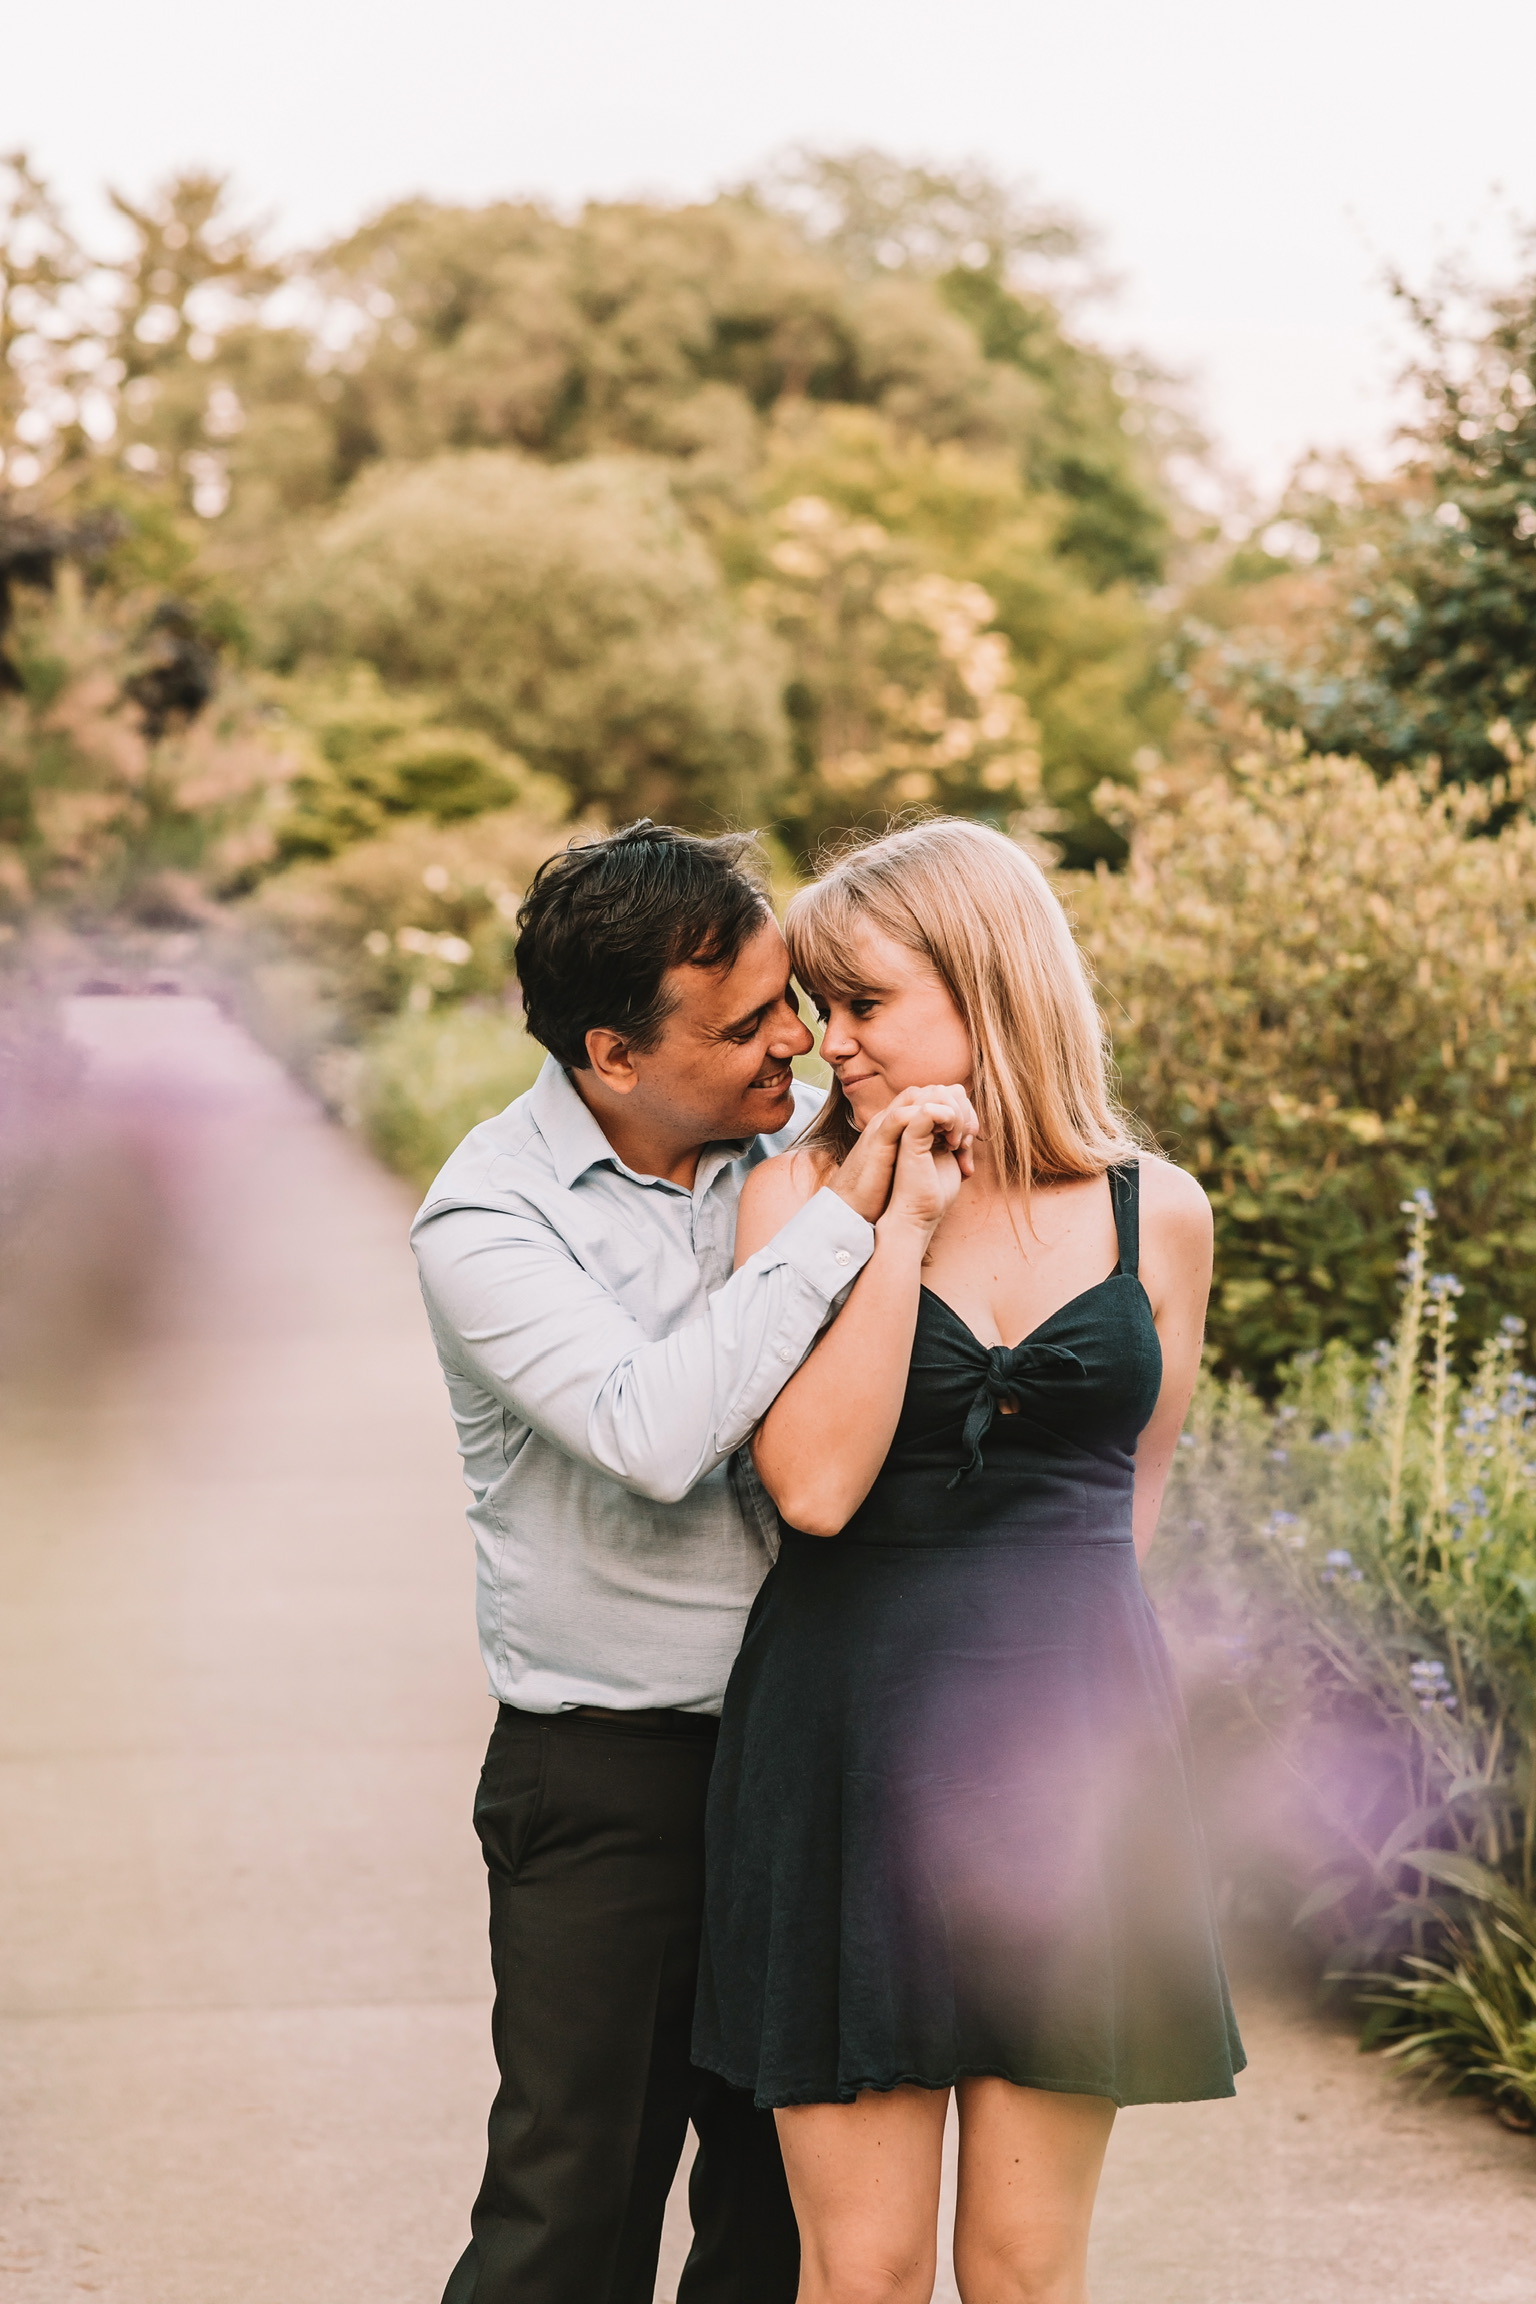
(604, 1365)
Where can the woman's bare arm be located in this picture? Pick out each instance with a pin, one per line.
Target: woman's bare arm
(818, 1449)
(1176, 1273)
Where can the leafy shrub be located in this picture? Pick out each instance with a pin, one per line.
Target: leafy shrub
(371, 756)
(420, 1083)
(1322, 991)
(1349, 1578)
(422, 914)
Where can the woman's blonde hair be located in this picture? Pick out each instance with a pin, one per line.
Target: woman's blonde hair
(984, 915)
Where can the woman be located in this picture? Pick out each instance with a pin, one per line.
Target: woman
(951, 1842)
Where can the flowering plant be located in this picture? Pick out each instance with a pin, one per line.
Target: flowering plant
(1349, 1578)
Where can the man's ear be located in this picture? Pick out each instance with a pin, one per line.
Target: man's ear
(609, 1055)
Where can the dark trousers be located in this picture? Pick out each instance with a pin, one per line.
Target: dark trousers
(593, 1832)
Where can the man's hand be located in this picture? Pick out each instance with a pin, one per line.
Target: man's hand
(864, 1179)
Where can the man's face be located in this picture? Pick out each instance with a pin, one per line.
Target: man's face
(722, 1065)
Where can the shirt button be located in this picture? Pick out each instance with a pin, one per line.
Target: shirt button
(785, 1352)
(842, 1257)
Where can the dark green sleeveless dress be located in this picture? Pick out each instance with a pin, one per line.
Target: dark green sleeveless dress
(950, 1825)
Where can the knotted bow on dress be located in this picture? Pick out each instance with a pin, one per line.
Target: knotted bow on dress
(1013, 1372)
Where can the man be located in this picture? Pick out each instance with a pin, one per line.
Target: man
(604, 1365)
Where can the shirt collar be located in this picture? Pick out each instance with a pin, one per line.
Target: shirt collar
(576, 1143)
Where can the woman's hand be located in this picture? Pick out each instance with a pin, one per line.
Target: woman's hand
(928, 1173)
(865, 1178)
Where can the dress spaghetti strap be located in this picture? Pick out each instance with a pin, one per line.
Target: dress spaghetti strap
(1125, 1194)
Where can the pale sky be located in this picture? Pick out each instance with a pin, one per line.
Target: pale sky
(1252, 169)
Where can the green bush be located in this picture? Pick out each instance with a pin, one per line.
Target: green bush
(370, 757)
(1349, 1579)
(418, 1085)
(422, 915)
(1322, 993)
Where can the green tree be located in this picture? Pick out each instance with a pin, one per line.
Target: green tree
(672, 331)
(1083, 659)
(572, 613)
(47, 351)
(1094, 432)
(191, 275)
(1395, 618)
(902, 692)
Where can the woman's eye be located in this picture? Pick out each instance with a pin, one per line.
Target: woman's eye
(861, 1008)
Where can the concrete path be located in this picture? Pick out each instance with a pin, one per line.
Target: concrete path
(243, 2051)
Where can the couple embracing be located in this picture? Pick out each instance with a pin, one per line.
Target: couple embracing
(813, 1445)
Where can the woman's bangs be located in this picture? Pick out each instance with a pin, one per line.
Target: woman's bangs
(818, 929)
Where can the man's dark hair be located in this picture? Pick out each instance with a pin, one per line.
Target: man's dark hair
(604, 921)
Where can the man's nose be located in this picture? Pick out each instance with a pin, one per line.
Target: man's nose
(790, 1037)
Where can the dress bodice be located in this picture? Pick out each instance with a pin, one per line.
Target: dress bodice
(1030, 1442)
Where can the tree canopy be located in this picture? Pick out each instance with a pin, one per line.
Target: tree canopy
(636, 382)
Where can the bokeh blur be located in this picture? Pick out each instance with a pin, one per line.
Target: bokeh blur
(347, 574)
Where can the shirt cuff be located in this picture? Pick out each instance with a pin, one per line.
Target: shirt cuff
(826, 1242)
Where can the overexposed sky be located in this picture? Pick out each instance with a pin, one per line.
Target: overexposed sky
(1252, 168)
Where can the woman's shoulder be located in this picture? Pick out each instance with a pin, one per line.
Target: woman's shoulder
(786, 1181)
(1173, 1203)
(774, 1191)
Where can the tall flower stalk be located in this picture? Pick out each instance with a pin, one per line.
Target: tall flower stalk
(1420, 1212)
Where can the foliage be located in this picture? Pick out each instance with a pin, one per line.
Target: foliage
(420, 915)
(1322, 992)
(1350, 1577)
(223, 402)
(1469, 2016)
(1091, 433)
(903, 693)
(1396, 618)
(876, 213)
(1082, 658)
(44, 323)
(572, 613)
(421, 1083)
(106, 802)
(370, 755)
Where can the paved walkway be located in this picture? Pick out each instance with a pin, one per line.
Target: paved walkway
(242, 1979)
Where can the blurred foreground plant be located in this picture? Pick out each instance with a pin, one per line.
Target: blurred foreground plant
(1350, 1579)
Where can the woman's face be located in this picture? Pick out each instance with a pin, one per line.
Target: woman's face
(897, 1028)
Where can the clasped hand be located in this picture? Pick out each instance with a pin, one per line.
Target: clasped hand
(909, 1162)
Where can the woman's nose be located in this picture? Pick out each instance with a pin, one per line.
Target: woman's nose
(837, 1042)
